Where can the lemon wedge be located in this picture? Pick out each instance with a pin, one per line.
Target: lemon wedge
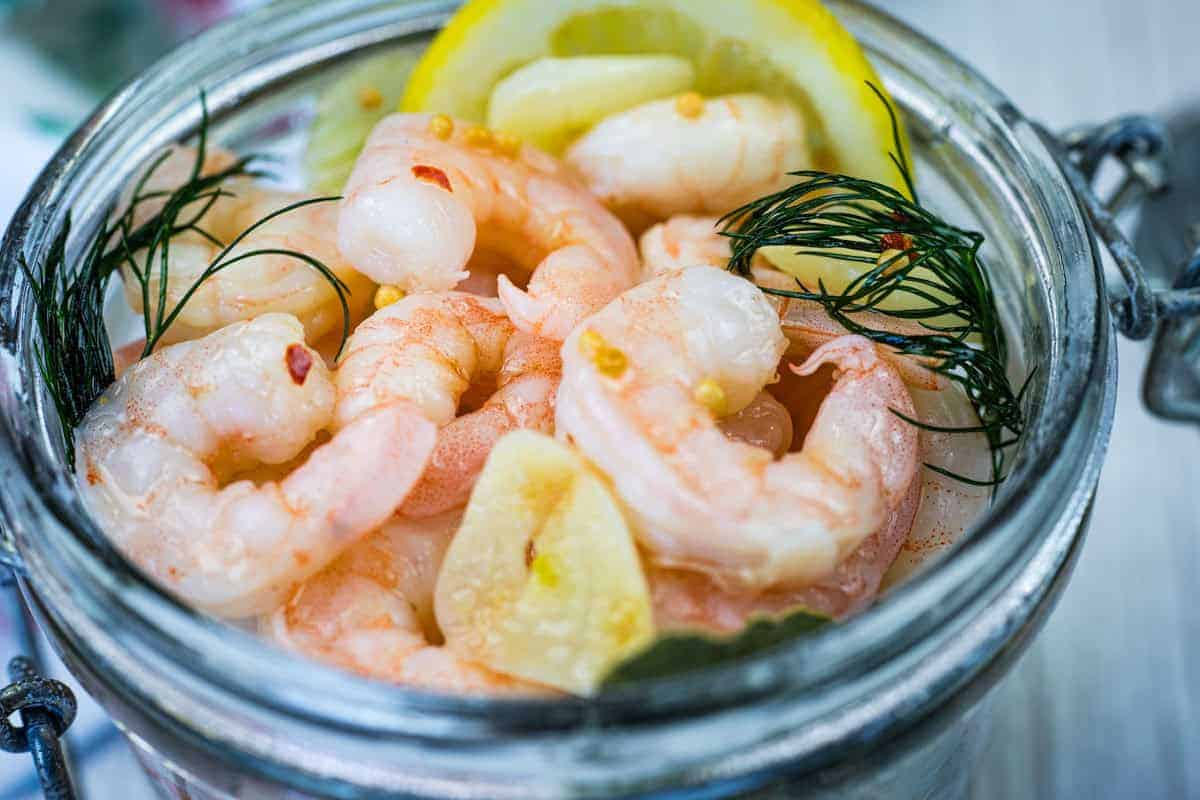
(551, 101)
(791, 49)
(542, 580)
(347, 112)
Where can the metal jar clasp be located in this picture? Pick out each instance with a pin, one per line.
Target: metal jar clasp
(1141, 146)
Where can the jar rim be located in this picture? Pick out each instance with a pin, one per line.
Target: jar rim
(799, 667)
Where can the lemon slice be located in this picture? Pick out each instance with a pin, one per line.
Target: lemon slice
(347, 112)
(542, 580)
(836, 275)
(794, 49)
(552, 101)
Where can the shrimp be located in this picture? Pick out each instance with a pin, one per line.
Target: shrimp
(683, 241)
(430, 349)
(691, 156)
(427, 192)
(687, 241)
(642, 382)
(154, 451)
(171, 169)
(371, 612)
(685, 599)
(269, 282)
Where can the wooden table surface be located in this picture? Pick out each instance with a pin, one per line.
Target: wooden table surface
(1106, 704)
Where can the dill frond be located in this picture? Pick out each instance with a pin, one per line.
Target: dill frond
(937, 264)
(74, 352)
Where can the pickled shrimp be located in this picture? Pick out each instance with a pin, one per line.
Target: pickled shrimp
(370, 612)
(155, 449)
(427, 192)
(643, 381)
(271, 282)
(687, 600)
(172, 169)
(687, 241)
(430, 349)
(691, 156)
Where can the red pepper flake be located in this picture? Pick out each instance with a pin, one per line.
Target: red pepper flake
(299, 362)
(530, 553)
(424, 172)
(896, 241)
(899, 217)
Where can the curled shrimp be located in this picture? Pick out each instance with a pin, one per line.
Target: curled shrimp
(689, 600)
(642, 382)
(261, 278)
(687, 241)
(160, 452)
(371, 612)
(430, 349)
(171, 170)
(427, 192)
(691, 156)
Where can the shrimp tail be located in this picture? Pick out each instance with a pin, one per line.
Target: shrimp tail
(526, 313)
(849, 354)
(568, 285)
(867, 389)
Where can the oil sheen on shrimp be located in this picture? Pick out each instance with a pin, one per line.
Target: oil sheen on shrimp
(154, 452)
(691, 156)
(643, 381)
(261, 284)
(371, 612)
(427, 192)
(431, 349)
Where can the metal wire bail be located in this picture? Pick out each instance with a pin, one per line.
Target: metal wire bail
(1142, 146)
(30, 691)
(47, 708)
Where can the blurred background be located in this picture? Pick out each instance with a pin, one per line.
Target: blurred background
(1107, 702)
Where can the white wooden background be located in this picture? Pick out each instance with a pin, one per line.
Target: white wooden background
(1107, 702)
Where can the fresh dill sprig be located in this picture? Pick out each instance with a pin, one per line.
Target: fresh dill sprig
(927, 259)
(74, 352)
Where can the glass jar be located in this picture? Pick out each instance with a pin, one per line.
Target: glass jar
(888, 704)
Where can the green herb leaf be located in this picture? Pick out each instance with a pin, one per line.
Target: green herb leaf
(854, 219)
(675, 653)
(74, 353)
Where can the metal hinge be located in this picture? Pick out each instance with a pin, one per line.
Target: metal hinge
(45, 707)
(1142, 147)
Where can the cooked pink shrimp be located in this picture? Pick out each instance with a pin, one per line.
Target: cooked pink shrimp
(370, 612)
(683, 241)
(685, 599)
(642, 382)
(430, 349)
(155, 448)
(427, 192)
(691, 156)
(172, 169)
(261, 284)
(686, 241)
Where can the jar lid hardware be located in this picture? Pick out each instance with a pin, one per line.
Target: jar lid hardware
(46, 708)
(1142, 147)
